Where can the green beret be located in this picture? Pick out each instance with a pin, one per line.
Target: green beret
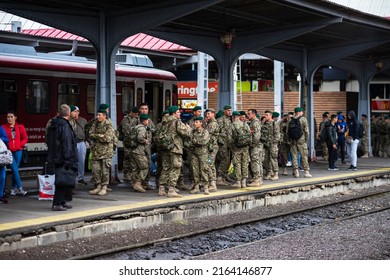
(298, 109)
(364, 115)
(198, 118)
(219, 114)
(103, 106)
(73, 108)
(227, 107)
(257, 115)
(144, 116)
(285, 115)
(236, 113)
(242, 113)
(164, 112)
(172, 109)
(275, 114)
(197, 108)
(102, 111)
(135, 110)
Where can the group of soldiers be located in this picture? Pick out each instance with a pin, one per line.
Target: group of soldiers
(380, 135)
(210, 146)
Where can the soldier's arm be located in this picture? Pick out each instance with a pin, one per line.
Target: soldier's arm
(142, 136)
(183, 130)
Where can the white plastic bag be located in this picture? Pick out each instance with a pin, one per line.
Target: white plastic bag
(46, 187)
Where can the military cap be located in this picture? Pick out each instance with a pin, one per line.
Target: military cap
(285, 115)
(135, 110)
(236, 113)
(197, 108)
(164, 112)
(227, 107)
(275, 114)
(74, 108)
(103, 111)
(210, 110)
(219, 114)
(199, 118)
(364, 115)
(144, 116)
(172, 109)
(242, 113)
(258, 116)
(291, 113)
(298, 109)
(103, 106)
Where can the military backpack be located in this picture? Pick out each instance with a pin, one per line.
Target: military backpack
(243, 136)
(295, 129)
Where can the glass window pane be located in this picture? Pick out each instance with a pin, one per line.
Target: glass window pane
(8, 96)
(91, 99)
(139, 96)
(37, 97)
(68, 93)
(377, 91)
(127, 99)
(167, 98)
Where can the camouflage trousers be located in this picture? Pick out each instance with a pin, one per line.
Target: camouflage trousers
(364, 145)
(255, 163)
(158, 166)
(240, 162)
(171, 163)
(212, 171)
(223, 157)
(325, 152)
(301, 147)
(127, 163)
(189, 162)
(101, 171)
(148, 152)
(271, 158)
(200, 168)
(141, 167)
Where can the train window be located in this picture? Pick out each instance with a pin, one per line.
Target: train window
(127, 99)
(8, 95)
(37, 97)
(91, 91)
(139, 96)
(68, 93)
(167, 98)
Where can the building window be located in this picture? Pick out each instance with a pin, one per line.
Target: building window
(68, 93)
(8, 96)
(37, 97)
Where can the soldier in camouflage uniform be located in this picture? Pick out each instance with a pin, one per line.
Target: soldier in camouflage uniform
(284, 145)
(225, 146)
(240, 158)
(159, 151)
(196, 112)
(199, 159)
(144, 109)
(101, 135)
(140, 142)
(300, 145)
(382, 131)
(387, 145)
(124, 129)
(173, 158)
(270, 137)
(213, 129)
(364, 140)
(324, 145)
(255, 149)
(374, 135)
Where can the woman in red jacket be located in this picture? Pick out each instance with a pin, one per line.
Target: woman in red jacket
(17, 136)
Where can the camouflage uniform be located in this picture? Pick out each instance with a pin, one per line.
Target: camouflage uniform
(382, 131)
(270, 137)
(364, 140)
(224, 152)
(256, 163)
(300, 146)
(240, 158)
(284, 145)
(151, 128)
(199, 158)
(159, 151)
(324, 145)
(101, 135)
(172, 159)
(124, 130)
(213, 129)
(139, 160)
(375, 136)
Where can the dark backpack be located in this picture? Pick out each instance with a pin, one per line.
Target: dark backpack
(243, 136)
(294, 129)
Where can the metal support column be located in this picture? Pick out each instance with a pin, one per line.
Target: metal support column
(203, 80)
(278, 86)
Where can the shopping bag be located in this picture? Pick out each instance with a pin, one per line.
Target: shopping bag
(6, 157)
(46, 187)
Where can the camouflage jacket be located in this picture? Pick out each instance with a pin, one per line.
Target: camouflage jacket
(255, 126)
(283, 132)
(236, 126)
(124, 130)
(270, 133)
(212, 127)
(225, 125)
(142, 139)
(200, 140)
(101, 135)
(177, 130)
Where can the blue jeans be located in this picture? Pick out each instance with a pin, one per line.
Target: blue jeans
(16, 182)
(2, 180)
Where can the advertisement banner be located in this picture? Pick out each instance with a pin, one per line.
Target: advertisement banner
(380, 105)
(188, 90)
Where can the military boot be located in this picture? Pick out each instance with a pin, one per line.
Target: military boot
(285, 173)
(274, 177)
(96, 190)
(146, 186)
(255, 183)
(206, 189)
(307, 174)
(172, 193)
(228, 179)
(213, 186)
(222, 182)
(161, 191)
(237, 184)
(195, 190)
(103, 191)
(268, 176)
(243, 183)
(138, 187)
(180, 183)
(296, 173)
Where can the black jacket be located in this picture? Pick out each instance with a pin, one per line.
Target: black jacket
(61, 143)
(353, 125)
(331, 133)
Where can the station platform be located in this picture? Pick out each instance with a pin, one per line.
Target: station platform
(27, 221)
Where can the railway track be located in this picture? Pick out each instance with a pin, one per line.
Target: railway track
(247, 231)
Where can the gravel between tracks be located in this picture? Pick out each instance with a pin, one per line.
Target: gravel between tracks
(85, 246)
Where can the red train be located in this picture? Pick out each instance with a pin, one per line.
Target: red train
(33, 85)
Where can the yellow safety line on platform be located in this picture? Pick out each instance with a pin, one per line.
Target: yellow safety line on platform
(105, 210)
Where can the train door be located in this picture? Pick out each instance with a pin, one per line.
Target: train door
(153, 97)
